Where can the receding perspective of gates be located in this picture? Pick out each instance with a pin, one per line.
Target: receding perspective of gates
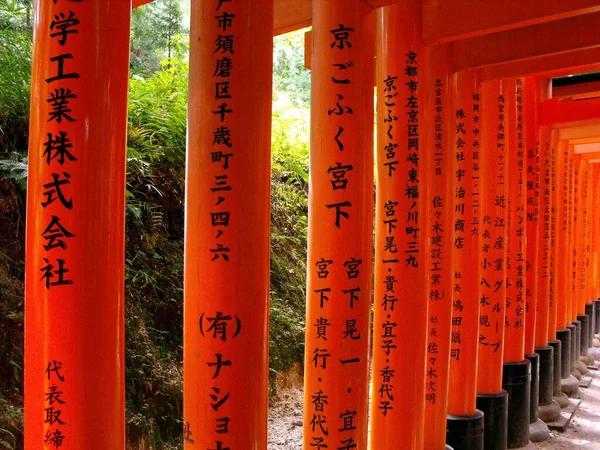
(452, 282)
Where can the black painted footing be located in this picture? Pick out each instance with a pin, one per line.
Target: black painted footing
(534, 387)
(589, 312)
(465, 432)
(575, 343)
(584, 338)
(546, 355)
(556, 390)
(564, 336)
(597, 316)
(516, 377)
(495, 424)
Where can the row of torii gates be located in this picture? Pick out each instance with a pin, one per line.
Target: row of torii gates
(486, 257)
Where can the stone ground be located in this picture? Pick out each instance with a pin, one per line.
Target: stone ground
(583, 432)
(285, 417)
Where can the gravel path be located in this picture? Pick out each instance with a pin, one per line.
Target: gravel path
(285, 417)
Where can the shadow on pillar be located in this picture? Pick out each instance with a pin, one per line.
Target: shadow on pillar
(516, 379)
(557, 393)
(465, 432)
(495, 419)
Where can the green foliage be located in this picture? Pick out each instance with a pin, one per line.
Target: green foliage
(155, 30)
(291, 79)
(15, 68)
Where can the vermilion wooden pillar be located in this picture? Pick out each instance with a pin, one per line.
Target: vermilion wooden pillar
(516, 373)
(399, 383)
(544, 240)
(440, 177)
(226, 278)
(492, 400)
(571, 315)
(581, 248)
(531, 95)
(562, 230)
(340, 229)
(596, 247)
(553, 309)
(465, 422)
(549, 349)
(74, 293)
(560, 268)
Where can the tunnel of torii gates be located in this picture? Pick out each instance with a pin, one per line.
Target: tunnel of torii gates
(486, 249)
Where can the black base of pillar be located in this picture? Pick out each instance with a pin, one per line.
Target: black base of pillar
(516, 377)
(589, 312)
(575, 340)
(495, 419)
(465, 432)
(583, 343)
(597, 317)
(534, 387)
(564, 336)
(556, 391)
(546, 386)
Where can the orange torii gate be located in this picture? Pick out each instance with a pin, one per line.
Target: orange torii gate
(74, 305)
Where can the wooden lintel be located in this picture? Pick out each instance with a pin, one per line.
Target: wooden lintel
(586, 140)
(588, 151)
(578, 90)
(291, 15)
(577, 61)
(451, 20)
(522, 44)
(591, 130)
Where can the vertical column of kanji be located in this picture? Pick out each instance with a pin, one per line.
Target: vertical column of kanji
(465, 422)
(400, 308)
(226, 279)
(74, 366)
(570, 169)
(491, 399)
(543, 255)
(516, 372)
(514, 333)
(589, 306)
(554, 238)
(572, 324)
(577, 234)
(561, 217)
(531, 96)
(440, 177)
(340, 227)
